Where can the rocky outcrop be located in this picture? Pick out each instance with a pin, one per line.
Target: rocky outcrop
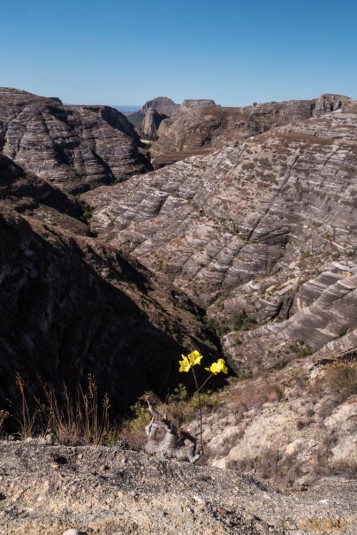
(51, 489)
(294, 426)
(194, 104)
(150, 123)
(148, 119)
(33, 196)
(196, 130)
(329, 103)
(162, 105)
(73, 147)
(252, 233)
(329, 317)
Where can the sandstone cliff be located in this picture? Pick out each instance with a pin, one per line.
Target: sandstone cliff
(163, 105)
(148, 119)
(74, 147)
(33, 196)
(254, 233)
(196, 129)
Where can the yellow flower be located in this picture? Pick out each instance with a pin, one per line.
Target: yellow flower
(195, 357)
(218, 367)
(184, 364)
(191, 360)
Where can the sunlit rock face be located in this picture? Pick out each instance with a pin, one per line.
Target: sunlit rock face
(74, 147)
(257, 232)
(149, 117)
(197, 127)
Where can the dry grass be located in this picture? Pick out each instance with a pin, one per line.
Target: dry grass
(79, 419)
(347, 468)
(74, 420)
(254, 393)
(338, 380)
(24, 416)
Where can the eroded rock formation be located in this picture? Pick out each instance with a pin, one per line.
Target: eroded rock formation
(198, 129)
(163, 105)
(260, 235)
(243, 230)
(74, 147)
(148, 119)
(72, 305)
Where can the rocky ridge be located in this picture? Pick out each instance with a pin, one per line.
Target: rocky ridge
(73, 147)
(148, 119)
(70, 306)
(197, 129)
(258, 229)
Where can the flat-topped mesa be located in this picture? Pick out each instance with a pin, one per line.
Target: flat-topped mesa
(194, 104)
(74, 147)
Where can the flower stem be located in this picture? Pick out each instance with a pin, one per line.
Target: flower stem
(200, 408)
(204, 382)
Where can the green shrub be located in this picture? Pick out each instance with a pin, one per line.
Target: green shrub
(300, 348)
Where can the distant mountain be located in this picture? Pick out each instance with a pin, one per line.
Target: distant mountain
(148, 118)
(127, 109)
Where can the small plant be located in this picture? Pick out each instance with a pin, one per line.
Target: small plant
(76, 420)
(91, 232)
(238, 322)
(87, 211)
(280, 365)
(24, 416)
(300, 349)
(243, 322)
(194, 359)
(306, 254)
(341, 379)
(79, 419)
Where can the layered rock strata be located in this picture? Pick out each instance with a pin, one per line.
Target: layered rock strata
(148, 119)
(243, 230)
(73, 147)
(197, 129)
(33, 196)
(70, 305)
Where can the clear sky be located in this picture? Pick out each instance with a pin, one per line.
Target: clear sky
(126, 52)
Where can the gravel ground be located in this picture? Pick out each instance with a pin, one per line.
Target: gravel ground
(97, 490)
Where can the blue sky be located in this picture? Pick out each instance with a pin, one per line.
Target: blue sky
(125, 52)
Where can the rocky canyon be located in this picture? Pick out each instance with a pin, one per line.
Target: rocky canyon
(234, 232)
